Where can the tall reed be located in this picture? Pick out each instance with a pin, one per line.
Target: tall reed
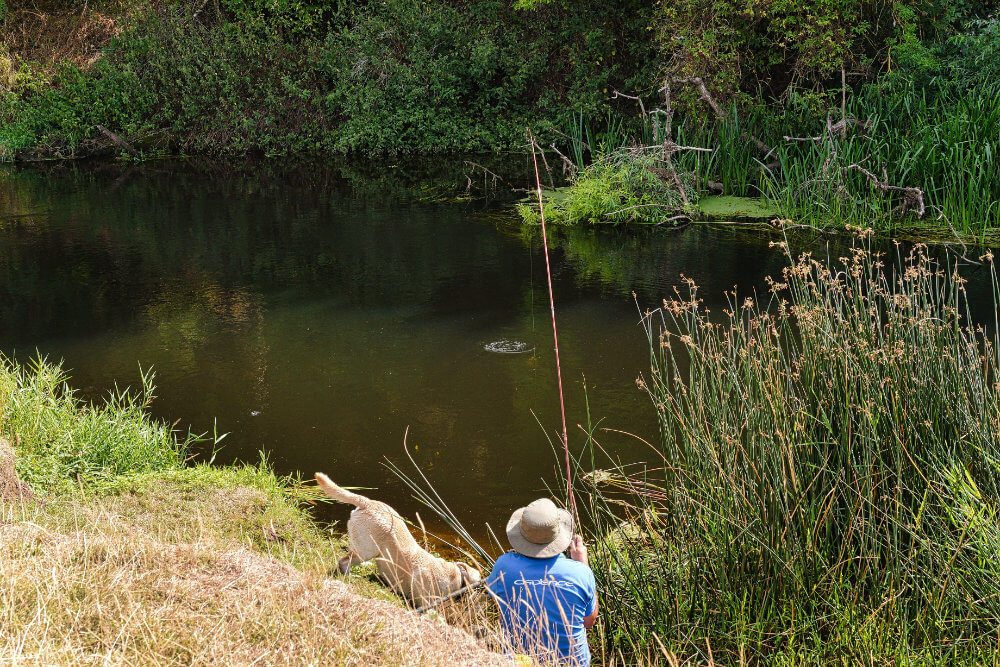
(943, 143)
(827, 481)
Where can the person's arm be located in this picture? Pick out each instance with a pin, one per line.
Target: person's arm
(578, 552)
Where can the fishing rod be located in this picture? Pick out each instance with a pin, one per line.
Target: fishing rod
(555, 333)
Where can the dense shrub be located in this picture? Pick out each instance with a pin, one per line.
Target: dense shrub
(396, 76)
(780, 46)
(431, 79)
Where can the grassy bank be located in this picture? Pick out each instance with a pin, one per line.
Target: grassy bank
(826, 484)
(127, 555)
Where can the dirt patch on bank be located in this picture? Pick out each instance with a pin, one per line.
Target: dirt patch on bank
(51, 34)
(11, 486)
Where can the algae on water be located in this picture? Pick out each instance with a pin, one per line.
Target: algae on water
(729, 207)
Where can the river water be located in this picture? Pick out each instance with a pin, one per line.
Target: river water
(315, 313)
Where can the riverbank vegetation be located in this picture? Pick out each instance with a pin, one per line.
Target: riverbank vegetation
(403, 76)
(919, 159)
(882, 114)
(114, 550)
(826, 482)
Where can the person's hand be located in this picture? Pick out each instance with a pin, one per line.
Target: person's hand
(578, 550)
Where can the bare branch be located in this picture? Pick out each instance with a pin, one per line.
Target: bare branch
(841, 127)
(118, 141)
(707, 97)
(486, 173)
(569, 167)
(642, 107)
(913, 198)
(674, 146)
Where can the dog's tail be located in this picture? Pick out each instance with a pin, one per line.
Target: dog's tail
(338, 493)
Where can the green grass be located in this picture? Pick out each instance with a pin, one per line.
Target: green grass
(71, 450)
(827, 481)
(63, 442)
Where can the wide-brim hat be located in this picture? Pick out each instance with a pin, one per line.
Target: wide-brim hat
(540, 530)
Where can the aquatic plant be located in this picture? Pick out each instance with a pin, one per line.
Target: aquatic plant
(827, 479)
(632, 185)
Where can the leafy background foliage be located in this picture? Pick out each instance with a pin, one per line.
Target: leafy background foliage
(382, 77)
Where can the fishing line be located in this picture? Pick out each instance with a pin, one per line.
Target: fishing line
(555, 333)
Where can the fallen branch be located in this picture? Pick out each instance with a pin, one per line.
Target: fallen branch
(674, 148)
(841, 127)
(569, 167)
(118, 141)
(707, 97)
(674, 218)
(913, 198)
(486, 174)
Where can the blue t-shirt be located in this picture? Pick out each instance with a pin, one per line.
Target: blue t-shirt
(543, 602)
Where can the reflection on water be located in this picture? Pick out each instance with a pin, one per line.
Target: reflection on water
(316, 313)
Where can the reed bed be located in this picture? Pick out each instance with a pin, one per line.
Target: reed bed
(826, 484)
(943, 142)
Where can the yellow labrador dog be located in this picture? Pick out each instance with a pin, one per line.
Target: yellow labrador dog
(377, 531)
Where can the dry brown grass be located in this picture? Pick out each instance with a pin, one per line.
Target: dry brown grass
(157, 575)
(48, 37)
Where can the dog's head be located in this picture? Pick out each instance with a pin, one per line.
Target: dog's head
(467, 575)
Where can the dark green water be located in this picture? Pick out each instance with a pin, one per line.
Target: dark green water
(316, 313)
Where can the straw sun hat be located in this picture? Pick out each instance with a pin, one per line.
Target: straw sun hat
(540, 530)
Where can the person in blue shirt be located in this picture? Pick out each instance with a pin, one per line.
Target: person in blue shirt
(547, 601)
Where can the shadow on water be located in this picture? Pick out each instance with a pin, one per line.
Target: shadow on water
(316, 311)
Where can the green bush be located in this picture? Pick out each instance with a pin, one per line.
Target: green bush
(968, 60)
(623, 186)
(429, 78)
(768, 50)
(396, 76)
